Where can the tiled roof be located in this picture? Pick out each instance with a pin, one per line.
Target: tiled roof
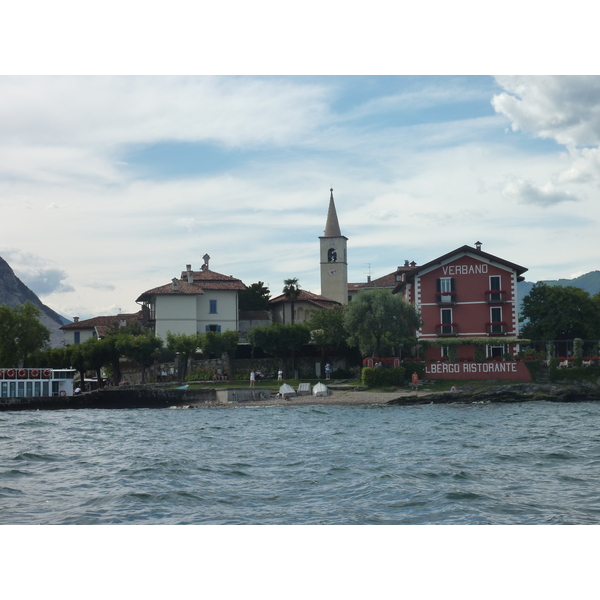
(203, 280)
(207, 276)
(103, 321)
(387, 281)
(305, 296)
(459, 251)
(183, 287)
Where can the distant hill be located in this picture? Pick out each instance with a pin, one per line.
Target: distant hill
(13, 292)
(590, 282)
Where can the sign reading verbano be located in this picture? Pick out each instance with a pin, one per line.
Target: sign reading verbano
(512, 371)
(464, 269)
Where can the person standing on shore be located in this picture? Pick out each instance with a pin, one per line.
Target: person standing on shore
(415, 380)
(327, 371)
(252, 378)
(279, 376)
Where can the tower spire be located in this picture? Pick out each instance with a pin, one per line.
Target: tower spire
(332, 226)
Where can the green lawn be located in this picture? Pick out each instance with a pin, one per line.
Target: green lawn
(267, 384)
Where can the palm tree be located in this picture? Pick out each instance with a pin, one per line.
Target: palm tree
(291, 291)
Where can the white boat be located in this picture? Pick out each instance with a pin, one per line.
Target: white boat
(320, 390)
(286, 391)
(36, 382)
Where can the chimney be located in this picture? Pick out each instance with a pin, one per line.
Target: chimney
(188, 268)
(174, 284)
(406, 263)
(190, 275)
(368, 279)
(75, 319)
(478, 245)
(413, 264)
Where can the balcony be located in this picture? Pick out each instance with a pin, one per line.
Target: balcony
(496, 297)
(496, 328)
(446, 330)
(445, 298)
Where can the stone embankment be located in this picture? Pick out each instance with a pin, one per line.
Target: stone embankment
(579, 392)
(114, 398)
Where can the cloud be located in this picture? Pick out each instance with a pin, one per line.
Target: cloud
(86, 111)
(585, 167)
(565, 109)
(44, 281)
(188, 223)
(36, 272)
(526, 192)
(99, 285)
(562, 108)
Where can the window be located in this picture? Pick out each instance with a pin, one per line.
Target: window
(496, 319)
(76, 337)
(446, 315)
(213, 307)
(445, 289)
(495, 294)
(445, 351)
(331, 255)
(215, 328)
(445, 284)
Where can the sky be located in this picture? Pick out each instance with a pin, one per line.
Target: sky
(110, 185)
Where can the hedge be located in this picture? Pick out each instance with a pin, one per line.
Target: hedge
(590, 374)
(377, 377)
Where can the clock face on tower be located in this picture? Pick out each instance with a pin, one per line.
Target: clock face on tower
(332, 272)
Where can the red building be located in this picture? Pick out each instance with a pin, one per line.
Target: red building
(465, 293)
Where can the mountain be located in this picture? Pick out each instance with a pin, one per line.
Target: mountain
(590, 282)
(13, 292)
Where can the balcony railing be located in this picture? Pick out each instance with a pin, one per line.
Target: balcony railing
(446, 329)
(496, 296)
(445, 297)
(496, 328)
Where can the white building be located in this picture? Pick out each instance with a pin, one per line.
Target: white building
(197, 302)
(95, 328)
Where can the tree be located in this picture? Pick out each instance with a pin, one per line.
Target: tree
(21, 333)
(186, 345)
(96, 354)
(78, 360)
(222, 344)
(119, 341)
(377, 316)
(328, 331)
(139, 348)
(557, 312)
(291, 291)
(282, 341)
(254, 297)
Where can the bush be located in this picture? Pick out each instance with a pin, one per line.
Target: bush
(535, 368)
(590, 374)
(199, 375)
(372, 377)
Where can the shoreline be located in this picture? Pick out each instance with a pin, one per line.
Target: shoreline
(210, 397)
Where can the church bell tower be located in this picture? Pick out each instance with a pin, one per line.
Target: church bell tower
(334, 260)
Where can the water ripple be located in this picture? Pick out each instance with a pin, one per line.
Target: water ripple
(533, 463)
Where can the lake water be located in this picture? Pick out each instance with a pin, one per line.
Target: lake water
(528, 463)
